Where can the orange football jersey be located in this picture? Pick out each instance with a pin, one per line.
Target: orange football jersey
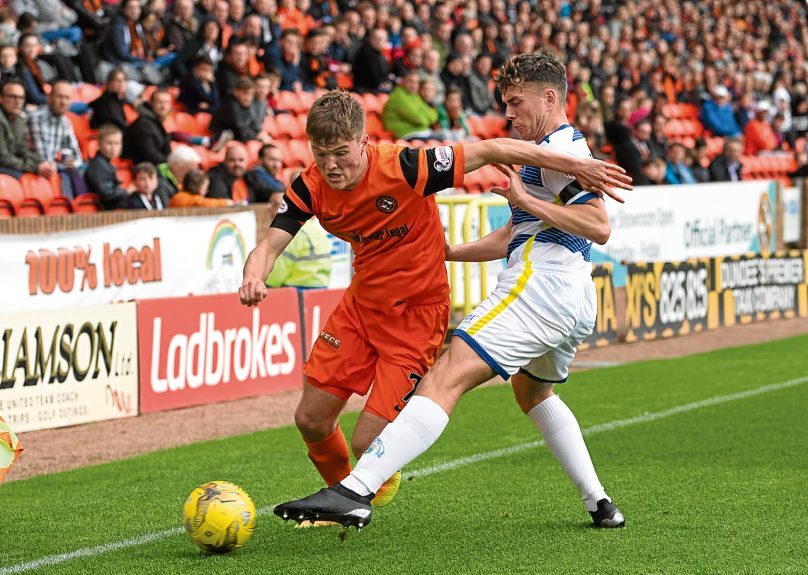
(390, 219)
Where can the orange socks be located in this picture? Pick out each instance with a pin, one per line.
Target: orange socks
(331, 457)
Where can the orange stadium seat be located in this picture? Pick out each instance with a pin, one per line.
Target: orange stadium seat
(130, 113)
(58, 206)
(295, 103)
(286, 175)
(373, 103)
(125, 176)
(299, 153)
(90, 149)
(86, 203)
(30, 208)
(287, 126)
(37, 187)
(203, 120)
(11, 190)
(185, 122)
(204, 156)
(86, 92)
(253, 147)
(375, 127)
(6, 209)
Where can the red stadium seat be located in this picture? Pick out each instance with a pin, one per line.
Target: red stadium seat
(185, 122)
(296, 103)
(125, 176)
(6, 210)
(86, 203)
(375, 127)
(86, 92)
(37, 187)
(287, 126)
(30, 208)
(203, 120)
(58, 206)
(372, 103)
(130, 113)
(11, 190)
(299, 153)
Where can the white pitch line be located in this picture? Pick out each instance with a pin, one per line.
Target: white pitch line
(423, 472)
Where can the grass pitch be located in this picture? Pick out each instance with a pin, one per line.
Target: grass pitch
(715, 488)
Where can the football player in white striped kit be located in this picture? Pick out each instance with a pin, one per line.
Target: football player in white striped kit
(527, 330)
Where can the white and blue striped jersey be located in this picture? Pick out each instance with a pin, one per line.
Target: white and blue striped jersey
(552, 246)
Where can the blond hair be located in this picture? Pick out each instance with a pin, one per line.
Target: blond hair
(335, 116)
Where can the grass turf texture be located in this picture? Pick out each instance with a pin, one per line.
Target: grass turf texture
(721, 489)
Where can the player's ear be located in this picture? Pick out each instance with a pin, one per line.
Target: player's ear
(550, 97)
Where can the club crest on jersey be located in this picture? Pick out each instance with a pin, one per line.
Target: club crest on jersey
(387, 204)
(444, 158)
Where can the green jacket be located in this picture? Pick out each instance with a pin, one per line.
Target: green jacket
(405, 113)
(14, 152)
(306, 261)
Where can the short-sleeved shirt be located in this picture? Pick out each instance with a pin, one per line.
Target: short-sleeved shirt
(390, 219)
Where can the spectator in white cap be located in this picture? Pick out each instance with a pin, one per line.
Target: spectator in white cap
(717, 114)
(759, 134)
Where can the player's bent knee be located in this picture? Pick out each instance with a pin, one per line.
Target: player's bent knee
(528, 394)
(313, 426)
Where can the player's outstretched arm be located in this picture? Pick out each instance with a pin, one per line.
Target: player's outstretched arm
(593, 175)
(491, 247)
(588, 220)
(259, 265)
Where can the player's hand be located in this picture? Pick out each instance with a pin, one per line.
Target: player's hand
(516, 194)
(602, 178)
(252, 292)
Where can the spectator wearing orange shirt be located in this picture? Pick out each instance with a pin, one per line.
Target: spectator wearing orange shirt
(194, 192)
(230, 179)
(292, 18)
(759, 134)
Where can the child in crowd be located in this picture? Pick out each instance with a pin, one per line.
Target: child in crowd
(144, 198)
(194, 192)
(101, 176)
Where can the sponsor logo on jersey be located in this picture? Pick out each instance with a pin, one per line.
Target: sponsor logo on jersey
(444, 158)
(387, 204)
(282, 208)
(329, 339)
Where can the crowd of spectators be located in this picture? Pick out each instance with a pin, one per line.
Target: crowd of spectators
(742, 66)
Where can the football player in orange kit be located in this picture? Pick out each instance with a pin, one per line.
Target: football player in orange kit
(392, 321)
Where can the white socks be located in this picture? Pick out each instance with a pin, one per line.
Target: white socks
(562, 434)
(414, 431)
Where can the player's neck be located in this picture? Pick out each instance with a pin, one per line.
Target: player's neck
(552, 124)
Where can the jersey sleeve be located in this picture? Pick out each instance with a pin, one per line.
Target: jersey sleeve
(567, 188)
(430, 170)
(296, 207)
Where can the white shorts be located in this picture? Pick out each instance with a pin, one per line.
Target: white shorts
(533, 321)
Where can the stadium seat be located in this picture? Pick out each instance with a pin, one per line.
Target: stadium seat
(372, 103)
(86, 92)
(37, 187)
(58, 206)
(287, 126)
(203, 120)
(90, 149)
(86, 203)
(375, 127)
(253, 146)
(285, 175)
(11, 190)
(6, 209)
(299, 153)
(130, 113)
(81, 125)
(30, 208)
(204, 155)
(295, 103)
(125, 176)
(185, 122)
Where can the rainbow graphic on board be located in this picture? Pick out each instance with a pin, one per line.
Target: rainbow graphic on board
(225, 229)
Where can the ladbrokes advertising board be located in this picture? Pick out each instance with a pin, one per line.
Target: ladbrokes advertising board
(207, 349)
(72, 367)
(152, 257)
